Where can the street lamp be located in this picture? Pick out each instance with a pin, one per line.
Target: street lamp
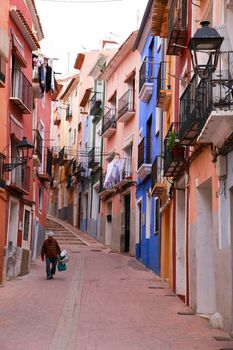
(24, 149)
(207, 41)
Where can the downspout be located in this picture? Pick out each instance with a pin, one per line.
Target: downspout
(174, 241)
(187, 244)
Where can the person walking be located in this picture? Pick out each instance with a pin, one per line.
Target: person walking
(50, 251)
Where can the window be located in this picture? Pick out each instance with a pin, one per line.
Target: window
(26, 225)
(156, 215)
(40, 198)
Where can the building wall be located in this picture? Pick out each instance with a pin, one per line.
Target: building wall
(116, 82)
(150, 242)
(4, 10)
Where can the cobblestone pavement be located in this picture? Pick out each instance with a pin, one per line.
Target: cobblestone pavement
(103, 301)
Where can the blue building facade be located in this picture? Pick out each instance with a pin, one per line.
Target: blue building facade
(149, 147)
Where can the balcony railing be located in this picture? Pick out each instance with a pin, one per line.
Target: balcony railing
(96, 103)
(146, 72)
(121, 177)
(94, 157)
(126, 107)
(21, 92)
(20, 179)
(156, 171)
(177, 27)
(200, 99)
(109, 124)
(164, 92)
(189, 112)
(174, 153)
(144, 151)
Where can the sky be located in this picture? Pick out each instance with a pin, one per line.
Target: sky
(70, 28)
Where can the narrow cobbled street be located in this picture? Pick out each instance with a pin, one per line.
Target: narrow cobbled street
(103, 301)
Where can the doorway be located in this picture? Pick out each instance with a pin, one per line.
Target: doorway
(139, 228)
(206, 303)
(127, 223)
(180, 243)
(13, 223)
(108, 231)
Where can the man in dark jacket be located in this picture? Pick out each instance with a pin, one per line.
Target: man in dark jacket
(50, 250)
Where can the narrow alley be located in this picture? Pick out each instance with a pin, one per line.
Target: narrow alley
(103, 301)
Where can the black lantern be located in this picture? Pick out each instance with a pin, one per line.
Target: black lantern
(206, 41)
(25, 150)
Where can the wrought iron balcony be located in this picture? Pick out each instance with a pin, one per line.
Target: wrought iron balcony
(94, 157)
(205, 104)
(164, 92)
(126, 174)
(96, 103)
(144, 157)
(45, 176)
(20, 180)
(21, 92)
(177, 26)
(106, 190)
(146, 81)
(159, 187)
(174, 153)
(216, 108)
(189, 113)
(109, 124)
(126, 108)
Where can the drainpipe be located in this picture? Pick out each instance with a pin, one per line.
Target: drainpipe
(174, 241)
(187, 243)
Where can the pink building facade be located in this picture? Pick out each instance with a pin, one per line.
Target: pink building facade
(120, 142)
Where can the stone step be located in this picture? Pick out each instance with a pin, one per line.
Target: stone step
(71, 242)
(67, 239)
